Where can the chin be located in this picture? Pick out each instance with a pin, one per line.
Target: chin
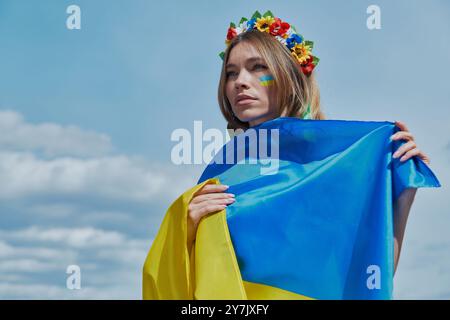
(250, 115)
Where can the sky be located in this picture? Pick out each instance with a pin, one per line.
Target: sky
(86, 117)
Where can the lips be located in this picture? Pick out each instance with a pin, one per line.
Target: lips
(241, 97)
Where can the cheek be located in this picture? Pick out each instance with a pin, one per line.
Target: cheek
(272, 94)
(229, 91)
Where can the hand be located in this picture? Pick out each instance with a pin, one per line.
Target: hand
(408, 149)
(210, 198)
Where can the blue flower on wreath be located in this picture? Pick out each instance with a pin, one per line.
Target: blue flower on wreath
(251, 23)
(293, 40)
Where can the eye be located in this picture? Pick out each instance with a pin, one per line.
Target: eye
(257, 66)
(229, 73)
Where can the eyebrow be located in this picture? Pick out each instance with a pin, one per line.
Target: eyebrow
(229, 65)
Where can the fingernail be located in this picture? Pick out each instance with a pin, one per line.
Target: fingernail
(230, 200)
(225, 186)
(395, 155)
(231, 195)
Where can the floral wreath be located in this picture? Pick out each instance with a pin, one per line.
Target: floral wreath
(285, 33)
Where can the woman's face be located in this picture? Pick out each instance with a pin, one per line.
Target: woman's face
(248, 74)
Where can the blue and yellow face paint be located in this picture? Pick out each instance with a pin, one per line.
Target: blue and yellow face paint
(266, 80)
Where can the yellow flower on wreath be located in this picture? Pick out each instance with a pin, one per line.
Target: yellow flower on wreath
(263, 24)
(301, 52)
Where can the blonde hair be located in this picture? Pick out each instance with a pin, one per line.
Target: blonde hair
(295, 90)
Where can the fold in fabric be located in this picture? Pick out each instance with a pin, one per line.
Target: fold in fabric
(317, 225)
(210, 272)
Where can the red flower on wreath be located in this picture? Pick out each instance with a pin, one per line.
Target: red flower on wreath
(278, 28)
(308, 66)
(231, 33)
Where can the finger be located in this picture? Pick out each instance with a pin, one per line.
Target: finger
(402, 135)
(404, 148)
(416, 152)
(202, 210)
(212, 208)
(410, 154)
(199, 205)
(211, 196)
(401, 125)
(197, 213)
(208, 188)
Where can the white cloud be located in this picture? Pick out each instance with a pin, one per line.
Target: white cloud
(27, 265)
(78, 237)
(50, 138)
(118, 177)
(9, 251)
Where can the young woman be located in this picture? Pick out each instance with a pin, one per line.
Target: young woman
(247, 99)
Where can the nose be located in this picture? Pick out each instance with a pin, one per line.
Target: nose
(242, 80)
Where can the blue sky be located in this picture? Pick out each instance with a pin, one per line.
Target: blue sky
(86, 117)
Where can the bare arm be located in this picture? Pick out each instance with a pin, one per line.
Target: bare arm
(406, 198)
(191, 231)
(401, 211)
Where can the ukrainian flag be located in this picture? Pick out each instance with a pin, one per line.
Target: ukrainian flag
(318, 225)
